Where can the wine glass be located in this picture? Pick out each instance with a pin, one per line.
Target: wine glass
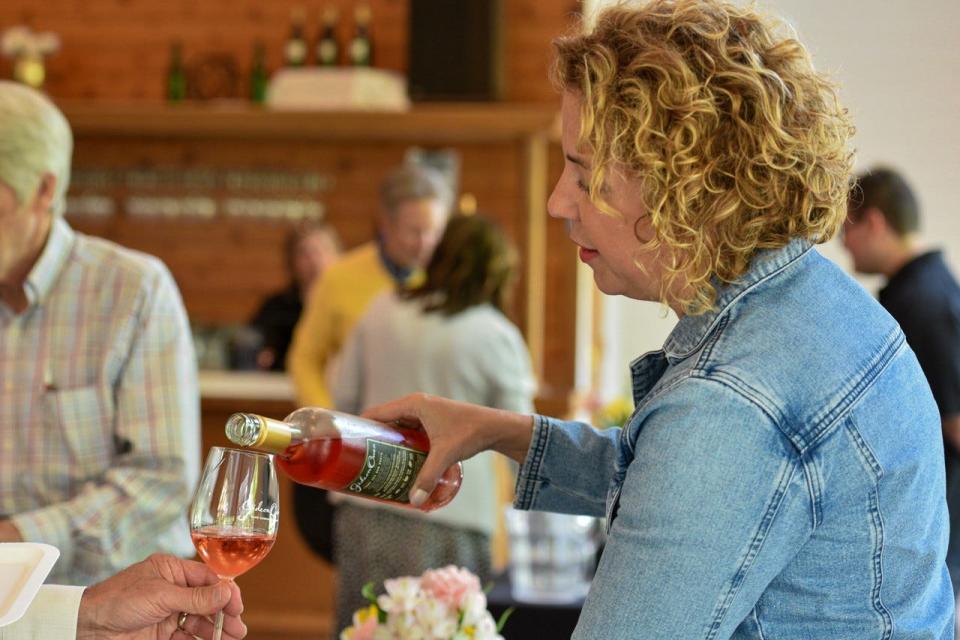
(235, 513)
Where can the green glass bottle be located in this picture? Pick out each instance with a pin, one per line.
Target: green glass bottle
(361, 46)
(176, 75)
(295, 50)
(258, 74)
(328, 48)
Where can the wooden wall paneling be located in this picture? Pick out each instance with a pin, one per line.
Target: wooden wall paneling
(120, 49)
(560, 301)
(225, 266)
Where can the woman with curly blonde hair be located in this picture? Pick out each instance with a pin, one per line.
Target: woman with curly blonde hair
(782, 473)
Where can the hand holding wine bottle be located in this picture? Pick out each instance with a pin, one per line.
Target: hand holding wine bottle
(456, 431)
(235, 513)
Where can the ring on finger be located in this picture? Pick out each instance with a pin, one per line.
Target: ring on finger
(182, 620)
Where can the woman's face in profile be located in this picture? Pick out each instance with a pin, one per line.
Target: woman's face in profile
(609, 244)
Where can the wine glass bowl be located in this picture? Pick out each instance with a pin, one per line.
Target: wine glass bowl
(235, 512)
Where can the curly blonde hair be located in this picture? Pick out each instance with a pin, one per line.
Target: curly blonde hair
(738, 143)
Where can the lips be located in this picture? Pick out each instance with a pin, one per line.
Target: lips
(588, 254)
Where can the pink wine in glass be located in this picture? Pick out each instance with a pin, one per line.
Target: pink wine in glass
(341, 452)
(231, 552)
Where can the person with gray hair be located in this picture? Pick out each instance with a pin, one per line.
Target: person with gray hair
(414, 206)
(99, 415)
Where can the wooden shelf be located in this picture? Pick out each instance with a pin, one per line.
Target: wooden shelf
(437, 123)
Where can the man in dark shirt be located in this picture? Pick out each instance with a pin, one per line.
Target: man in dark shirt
(923, 296)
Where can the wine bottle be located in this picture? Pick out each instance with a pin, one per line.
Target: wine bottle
(328, 48)
(345, 453)
(258, 74)
(361, 46)
(295, 50)
(176, 75)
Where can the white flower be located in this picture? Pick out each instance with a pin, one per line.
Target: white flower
(21, 40)
(474, 609)
(438, 621)
(15, 40)
(402, 595)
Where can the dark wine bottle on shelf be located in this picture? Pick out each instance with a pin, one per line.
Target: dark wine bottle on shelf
(345, 453)
(258, 74)
(361, 46)
(176, 75)
(295, 49)
(328, 48)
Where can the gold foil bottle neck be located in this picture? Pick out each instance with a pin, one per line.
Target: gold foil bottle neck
(257, 432)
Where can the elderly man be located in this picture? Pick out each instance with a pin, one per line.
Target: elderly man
(161, 597)
(414, 204)
(99, 438)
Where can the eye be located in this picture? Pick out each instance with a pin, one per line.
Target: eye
(583, 187)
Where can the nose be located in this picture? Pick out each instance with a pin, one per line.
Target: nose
(559, 206)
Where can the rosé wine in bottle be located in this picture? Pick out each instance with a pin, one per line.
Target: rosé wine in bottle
(230, 552)
(345, 453)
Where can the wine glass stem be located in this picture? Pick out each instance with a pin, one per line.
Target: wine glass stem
(218, 620)
(218, 625)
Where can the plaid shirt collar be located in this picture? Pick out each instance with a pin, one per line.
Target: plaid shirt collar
(54, 257)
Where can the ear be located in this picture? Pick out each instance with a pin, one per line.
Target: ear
(43, 199)
(875, 220)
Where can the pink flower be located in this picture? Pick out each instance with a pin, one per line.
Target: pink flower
(450, 585)
(366, 630)
(365, 625)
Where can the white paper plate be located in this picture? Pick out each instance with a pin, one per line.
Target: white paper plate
(23, 568)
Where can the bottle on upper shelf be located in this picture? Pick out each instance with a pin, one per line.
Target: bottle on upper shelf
(258, 74)
(176, 74)
(361, 46)
(346, 453)
(328, 47)
(295, 49)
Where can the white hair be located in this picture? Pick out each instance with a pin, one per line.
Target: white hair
(35, 139)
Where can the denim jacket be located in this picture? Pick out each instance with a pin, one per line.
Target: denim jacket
(781, 477)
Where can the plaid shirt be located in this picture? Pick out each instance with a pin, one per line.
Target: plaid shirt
(99, 413)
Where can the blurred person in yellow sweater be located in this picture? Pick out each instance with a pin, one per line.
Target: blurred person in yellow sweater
(414, 206)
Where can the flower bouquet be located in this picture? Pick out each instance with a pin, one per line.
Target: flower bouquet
(442, 604)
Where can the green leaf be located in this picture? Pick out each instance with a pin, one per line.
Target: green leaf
(368, 593)
(503, 618)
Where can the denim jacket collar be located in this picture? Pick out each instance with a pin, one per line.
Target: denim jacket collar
(692, 331)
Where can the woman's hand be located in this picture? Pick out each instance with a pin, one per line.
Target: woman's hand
(457, 431)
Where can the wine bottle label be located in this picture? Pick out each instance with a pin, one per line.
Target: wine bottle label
(295, 51)
(327, 52)
(360, 51)
(388, 471)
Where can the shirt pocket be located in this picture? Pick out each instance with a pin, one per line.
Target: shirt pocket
(80, 420)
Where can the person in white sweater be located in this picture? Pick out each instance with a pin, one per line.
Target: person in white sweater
(448, 337)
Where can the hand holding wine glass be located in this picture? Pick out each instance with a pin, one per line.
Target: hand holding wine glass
(235, 513)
